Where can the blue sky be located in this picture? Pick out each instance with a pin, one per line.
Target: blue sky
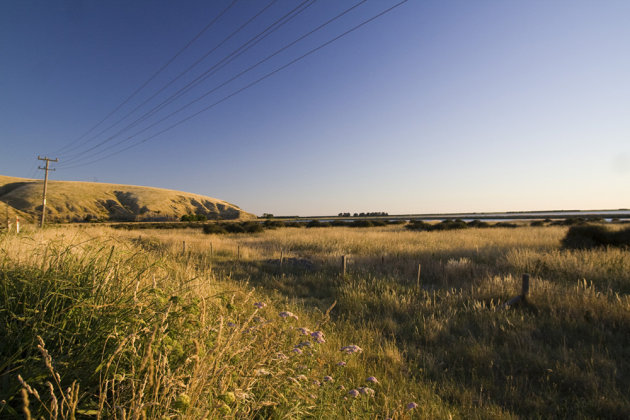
(437, 106)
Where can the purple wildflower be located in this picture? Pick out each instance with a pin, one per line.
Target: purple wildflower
(260, 305)
(342, 363)
(328, 379)
(372, 379)
(366, 391)
(287, 314)
(304, 331)
(318, 336)
(297, 350)
(411, 406)
(353, 393)
(351, 349)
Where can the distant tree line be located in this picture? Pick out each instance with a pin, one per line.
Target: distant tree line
(370, 214)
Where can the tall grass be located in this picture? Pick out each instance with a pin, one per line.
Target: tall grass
(149, 329)
(566, 353)
(138, 333)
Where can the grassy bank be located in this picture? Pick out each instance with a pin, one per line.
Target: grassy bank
(100, 325)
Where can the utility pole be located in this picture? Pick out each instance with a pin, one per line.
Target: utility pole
(46, 169)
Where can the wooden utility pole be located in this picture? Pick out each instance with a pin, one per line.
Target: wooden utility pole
(45, 169)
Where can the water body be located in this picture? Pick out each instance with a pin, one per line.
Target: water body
(621, 214)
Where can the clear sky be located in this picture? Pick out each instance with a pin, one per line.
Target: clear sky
(436, 106)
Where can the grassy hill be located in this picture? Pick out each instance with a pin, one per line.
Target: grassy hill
(72, 201)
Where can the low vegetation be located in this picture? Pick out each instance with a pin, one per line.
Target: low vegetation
(182, 323)
(591, 236)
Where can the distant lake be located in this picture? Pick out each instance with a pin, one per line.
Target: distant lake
(490, 217)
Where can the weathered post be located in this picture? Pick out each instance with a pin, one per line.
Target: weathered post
(281, 258)
(344, 263)
(418, 280)
(238, 252)
(211, 252)
(183, 247)
(525, 288)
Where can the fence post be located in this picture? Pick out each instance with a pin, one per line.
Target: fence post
(344, 263)
(281, 258)
(418, 280)
(184, 247)
(211, 252)
(238, 252)
(525, 288)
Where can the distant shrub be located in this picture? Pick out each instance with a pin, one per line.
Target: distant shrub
(592, 236)
(273, 224)
(317, 223)
(478, 224)
(537, 223)
(252, 227)
(293, 224)
(418, 225)
(213, 228)
(362, 223)
(450, 225)
(506, 225)
(570, 221)
(234, 228)
(243, 227)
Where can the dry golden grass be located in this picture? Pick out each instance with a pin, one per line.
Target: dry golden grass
(450, 345)
(70, 200)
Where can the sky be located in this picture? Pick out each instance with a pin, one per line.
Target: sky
(436, 106)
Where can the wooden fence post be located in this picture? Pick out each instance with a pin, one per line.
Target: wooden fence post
(183, 247)
(281, 258)
(525, 288)
(238, 252)
(211, 251)
(344, 263)
(523, 296)
(418, 280)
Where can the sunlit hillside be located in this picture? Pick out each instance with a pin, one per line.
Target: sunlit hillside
(69, 201)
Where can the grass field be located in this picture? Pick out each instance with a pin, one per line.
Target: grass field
(162, 323)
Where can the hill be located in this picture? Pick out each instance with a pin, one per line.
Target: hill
(74, 201)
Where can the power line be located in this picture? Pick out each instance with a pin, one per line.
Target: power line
(243, 72)
(157, 108)
(164, 66)
(247, 86)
